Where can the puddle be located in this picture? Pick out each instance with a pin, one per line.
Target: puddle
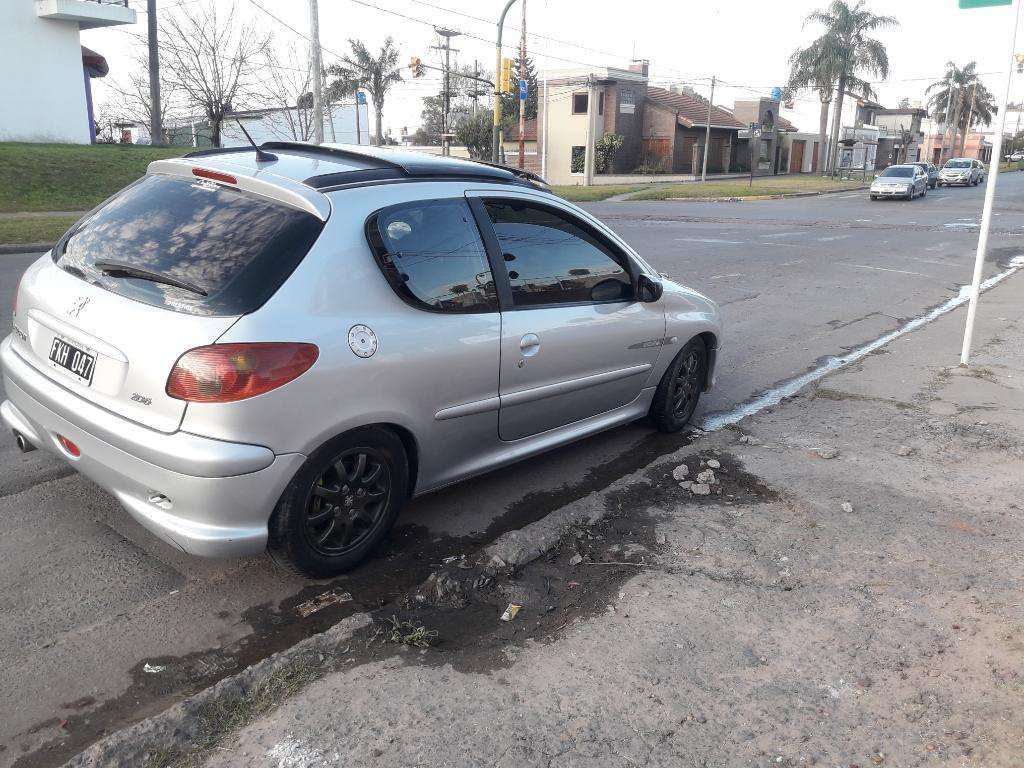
(790, 387)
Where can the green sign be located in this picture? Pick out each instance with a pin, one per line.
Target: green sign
(983, 3)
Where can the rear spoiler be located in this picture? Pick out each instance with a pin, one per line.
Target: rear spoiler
(279, 188)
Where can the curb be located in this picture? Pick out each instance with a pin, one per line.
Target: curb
(9, 248)
(756, 197)
(176, 728)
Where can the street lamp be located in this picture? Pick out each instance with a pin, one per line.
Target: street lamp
(497, 84)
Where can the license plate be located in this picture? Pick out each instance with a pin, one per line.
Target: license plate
(73, 359)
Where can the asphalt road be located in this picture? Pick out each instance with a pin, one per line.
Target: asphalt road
(88, 598)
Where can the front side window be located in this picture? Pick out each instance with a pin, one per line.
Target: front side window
(553, 260)
(431, 253)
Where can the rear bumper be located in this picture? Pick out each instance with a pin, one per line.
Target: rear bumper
(206, 497)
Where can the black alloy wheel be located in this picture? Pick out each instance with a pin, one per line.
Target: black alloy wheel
(348, 501)
(679, 391)
(341, 503)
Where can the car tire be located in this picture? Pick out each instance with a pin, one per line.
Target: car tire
(924, 192)
(364, 477)
(873, 197)
(679, 390)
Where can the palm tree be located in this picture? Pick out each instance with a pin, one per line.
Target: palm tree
(960, 100)
(815, 68)
(362, 70)
(848, 47)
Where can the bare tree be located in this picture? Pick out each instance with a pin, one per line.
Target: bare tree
(211, 58)
(128, 100)
(289, 84)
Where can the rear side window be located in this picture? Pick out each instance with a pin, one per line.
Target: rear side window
(190, 245)
(431, 253)
(553, 260)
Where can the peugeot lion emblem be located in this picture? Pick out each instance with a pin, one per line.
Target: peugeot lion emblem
(77, 306)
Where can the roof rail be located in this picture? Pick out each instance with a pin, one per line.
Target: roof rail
(390, 163)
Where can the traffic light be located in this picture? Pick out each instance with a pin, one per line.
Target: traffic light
(505, 83)
(416, 66)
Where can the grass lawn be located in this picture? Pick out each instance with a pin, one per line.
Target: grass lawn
(770, 185)
(69, 177)
(34, 229)
(580, 194)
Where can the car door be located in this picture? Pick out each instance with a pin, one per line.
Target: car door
(575, 341)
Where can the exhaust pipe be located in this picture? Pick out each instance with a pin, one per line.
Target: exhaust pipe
(23, 445)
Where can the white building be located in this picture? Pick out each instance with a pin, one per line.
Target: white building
(342, 125)
(45, 94)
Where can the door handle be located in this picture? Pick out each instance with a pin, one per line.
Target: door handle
(529, 345)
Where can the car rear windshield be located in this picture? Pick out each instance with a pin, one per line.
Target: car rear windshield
(958, 164)
(901, 170)
(189, 245)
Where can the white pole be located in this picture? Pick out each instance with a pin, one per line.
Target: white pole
(990, 193)
(317, 67)
(707, 134)
(544, 133)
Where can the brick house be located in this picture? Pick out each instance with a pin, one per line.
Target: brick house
(674, 130)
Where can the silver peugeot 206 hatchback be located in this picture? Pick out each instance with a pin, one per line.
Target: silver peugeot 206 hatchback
(277, 349)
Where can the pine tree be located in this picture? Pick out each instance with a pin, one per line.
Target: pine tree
(510, 101)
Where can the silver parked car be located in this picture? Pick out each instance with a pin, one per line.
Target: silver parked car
(253, 350)
(906, 181)
(962, 170)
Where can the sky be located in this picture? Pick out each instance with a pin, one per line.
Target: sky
(745, 44)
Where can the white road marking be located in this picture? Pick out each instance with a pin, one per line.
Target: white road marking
(834, 237)
(931, 261)
(785, 234)
(775, 396)
(710, 240)
(719, 277)
(855, 194)
(792, 263)
(863, 220)
(886, 269)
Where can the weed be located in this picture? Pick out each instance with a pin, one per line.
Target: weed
(407, 633)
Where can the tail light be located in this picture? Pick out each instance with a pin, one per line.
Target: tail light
(224, 373)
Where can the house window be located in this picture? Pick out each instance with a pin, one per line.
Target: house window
(579, 103)
(600, 103)
(578, 159)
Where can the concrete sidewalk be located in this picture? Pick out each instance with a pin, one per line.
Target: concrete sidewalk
(847, 592)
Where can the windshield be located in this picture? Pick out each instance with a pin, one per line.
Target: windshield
(189, 245)
(898, 170)
(958, 164)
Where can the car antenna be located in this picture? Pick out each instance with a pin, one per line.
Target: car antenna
(261, 155)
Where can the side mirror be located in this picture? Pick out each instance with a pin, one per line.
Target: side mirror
(648, 290)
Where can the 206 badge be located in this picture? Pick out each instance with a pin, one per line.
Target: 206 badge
(362, 340)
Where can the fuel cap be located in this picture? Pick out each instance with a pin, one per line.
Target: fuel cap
(362, 340)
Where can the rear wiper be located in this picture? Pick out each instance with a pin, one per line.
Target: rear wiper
(119, 269)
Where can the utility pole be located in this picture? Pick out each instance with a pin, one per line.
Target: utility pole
(945, 127)
(970, 117)
(447, 34)
(522, 101)
(156, 128)
(497, 84)
(317, 64)
(476, 91)
(707, 133)
(359, 138)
